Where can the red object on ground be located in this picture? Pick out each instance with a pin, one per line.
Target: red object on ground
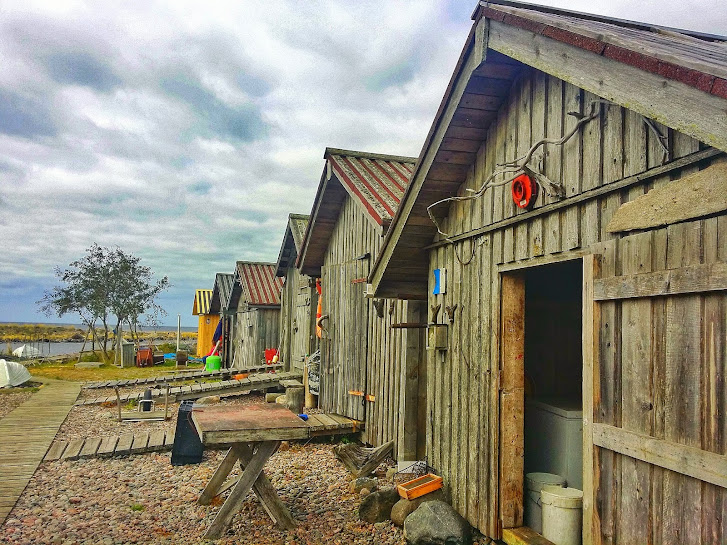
(524, 192)
(270, 353)
(144, 357)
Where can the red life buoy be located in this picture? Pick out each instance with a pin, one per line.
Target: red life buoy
(524, 192)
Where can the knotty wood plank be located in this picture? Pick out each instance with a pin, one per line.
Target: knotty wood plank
(691, 279)
(90, 446)
(685, 460)
(55, 451)
(123, 446)
(108, 444)
(73, 449)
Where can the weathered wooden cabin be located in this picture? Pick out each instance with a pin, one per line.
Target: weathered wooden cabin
(298, 299)
(207, 320)
(255, 297)
(596, 284)
(370, 358)
(219, 303)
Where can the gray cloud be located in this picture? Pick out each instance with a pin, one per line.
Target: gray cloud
(24, 117)
(79, 68)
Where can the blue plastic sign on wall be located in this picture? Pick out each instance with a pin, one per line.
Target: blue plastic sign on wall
(440, 281)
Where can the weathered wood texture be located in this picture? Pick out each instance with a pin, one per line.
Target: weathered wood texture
(298, 301)
(360, 351)
(256, 329)
(661, 361)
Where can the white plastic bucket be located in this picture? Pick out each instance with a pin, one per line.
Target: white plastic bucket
(562, 515)
(534, 483)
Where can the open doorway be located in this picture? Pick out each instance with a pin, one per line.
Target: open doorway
(541, 381)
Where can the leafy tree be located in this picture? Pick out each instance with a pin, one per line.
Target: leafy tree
(104, 283)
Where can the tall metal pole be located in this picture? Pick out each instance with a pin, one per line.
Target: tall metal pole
(179, 325)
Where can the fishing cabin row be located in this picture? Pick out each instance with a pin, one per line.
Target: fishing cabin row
(554, 259)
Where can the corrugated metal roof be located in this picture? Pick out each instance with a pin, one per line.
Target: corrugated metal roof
(292, 242)
(201, 302)
(259, 284)
(376, 181)
(221, 292)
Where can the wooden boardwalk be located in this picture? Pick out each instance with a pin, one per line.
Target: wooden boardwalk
(25, 435)
(159, 440)
(261, 381)
(180, 376)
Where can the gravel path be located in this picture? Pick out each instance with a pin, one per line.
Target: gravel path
(143, 499)
(10, 401)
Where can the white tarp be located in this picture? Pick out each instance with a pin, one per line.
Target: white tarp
(12, 374)
(26, 351)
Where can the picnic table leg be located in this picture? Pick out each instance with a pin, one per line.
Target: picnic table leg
(266, 492)
(214, 484)
(234, 501)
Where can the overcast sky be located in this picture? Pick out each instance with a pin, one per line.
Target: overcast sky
(185, 132)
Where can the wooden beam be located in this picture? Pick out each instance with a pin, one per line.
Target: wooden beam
(700, 194)
(591, 387)
(523, 536)
(692, 279)
(512, 400)
(694, 462)
(675, 104)
(606, 189)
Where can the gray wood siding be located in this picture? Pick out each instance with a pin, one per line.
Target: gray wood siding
(298, 302)
(255, 330)
(359, 350)
(462, 405)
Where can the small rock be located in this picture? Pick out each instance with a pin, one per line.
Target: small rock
(376, 507)
(436, 523)
(74, 500)
(284, 445)
(390, 473)
(403, 508)
(364, 482)
(364, 492)
(208, 400)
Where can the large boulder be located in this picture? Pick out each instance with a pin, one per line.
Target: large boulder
(403, 508)
(364, 482)
(376, 507)
(436, 523)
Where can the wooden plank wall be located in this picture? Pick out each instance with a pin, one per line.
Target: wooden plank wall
(256, 329)
(663, 376)
(297, 318)
(345, 336)
(462, 414)
(360, 351)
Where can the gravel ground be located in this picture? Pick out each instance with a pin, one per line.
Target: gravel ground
(10, 401)
(144, 499)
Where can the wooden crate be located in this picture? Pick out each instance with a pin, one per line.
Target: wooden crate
(420, 486)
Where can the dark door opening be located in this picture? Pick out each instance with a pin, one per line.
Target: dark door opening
(554, 372)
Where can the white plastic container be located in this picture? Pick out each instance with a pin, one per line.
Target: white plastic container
(534, 483)
(562, 515)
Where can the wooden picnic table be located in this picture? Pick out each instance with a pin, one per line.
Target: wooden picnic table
(254, 434)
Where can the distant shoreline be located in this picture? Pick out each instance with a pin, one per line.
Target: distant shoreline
(145, 329)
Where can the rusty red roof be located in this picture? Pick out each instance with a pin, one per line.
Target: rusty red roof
(376, 181)
(259, 284)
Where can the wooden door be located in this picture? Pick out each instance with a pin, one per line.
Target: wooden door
(655, 405)
(345, 334)
(303, 322)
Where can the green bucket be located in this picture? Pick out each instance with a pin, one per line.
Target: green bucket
(213, 363)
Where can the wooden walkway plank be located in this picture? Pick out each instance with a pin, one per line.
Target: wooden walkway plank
(108, 445)
(90, 446)
(123, 447)
(138, 445)
(156, 441)
(55, 451)
(73, 449)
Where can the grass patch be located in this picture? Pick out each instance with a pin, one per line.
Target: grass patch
(28, 387)
(67, 371)
(137, 507)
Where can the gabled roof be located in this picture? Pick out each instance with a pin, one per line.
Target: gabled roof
(674, 77)
(221, 292)
(201, 302)
(257, 284)
(375, 182)
(292, 243)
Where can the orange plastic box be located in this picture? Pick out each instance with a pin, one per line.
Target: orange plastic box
(420, 486)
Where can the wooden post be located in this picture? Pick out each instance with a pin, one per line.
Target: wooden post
(118, 401)
(166, 403)
(294, 397)
(310, 399)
